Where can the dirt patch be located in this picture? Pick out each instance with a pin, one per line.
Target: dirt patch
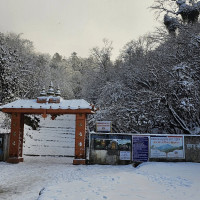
(4, 193)
(2, 190)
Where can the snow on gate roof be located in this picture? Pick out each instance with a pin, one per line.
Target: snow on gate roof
(64, 104)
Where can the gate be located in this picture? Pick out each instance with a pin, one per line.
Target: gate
(54, 138)
(44, 106)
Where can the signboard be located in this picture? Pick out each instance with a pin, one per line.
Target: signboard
(167, 147)
(104, 126)
(125, 155)
(140, 148)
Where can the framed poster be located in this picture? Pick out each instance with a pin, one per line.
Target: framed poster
(140, 146)
(167, 147)
(125, 155)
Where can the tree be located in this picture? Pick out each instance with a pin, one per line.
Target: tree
(103, 56)
(8, 61)
(188, 10)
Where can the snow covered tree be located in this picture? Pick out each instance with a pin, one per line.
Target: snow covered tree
(99, 70)
(171, 24)
(188, 10)
(8, 61)
(103, 56)
(176, 70)
(60, 73)
(22, 70)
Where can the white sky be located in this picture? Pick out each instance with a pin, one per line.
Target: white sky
(65, 26)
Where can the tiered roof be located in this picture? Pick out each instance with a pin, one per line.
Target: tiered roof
(52, 104)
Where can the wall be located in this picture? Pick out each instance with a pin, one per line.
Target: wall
(114, 148)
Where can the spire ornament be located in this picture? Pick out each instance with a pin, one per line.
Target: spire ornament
(50, 90)
(58, 93)
(43, 92)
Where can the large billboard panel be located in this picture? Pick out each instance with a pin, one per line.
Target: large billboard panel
(167, 147)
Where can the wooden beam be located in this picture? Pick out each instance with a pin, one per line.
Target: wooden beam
(47, 111)
(23, 110)
(70, 111)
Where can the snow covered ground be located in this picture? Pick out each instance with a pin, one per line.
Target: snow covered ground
(59, 180)
(55, 178)
(149, 181)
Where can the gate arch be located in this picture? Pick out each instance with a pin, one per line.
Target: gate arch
(47, 106)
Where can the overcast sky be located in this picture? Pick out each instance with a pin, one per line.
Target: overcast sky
(65, 26)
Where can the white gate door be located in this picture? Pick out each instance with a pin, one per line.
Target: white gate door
(53, 138)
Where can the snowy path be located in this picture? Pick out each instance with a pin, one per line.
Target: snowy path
(150, 181)
(54, 137)
(62, 181)
(23, 181)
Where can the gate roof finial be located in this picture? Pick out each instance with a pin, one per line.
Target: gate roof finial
(43, 92)
(50, 90)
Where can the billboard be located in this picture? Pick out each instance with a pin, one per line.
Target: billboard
(104, 126)
(167, 147)
(140, 145)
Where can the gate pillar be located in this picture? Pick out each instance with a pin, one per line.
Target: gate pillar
(80, 136)
(16, 138)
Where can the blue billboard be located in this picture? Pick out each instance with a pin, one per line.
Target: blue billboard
(140, 148)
